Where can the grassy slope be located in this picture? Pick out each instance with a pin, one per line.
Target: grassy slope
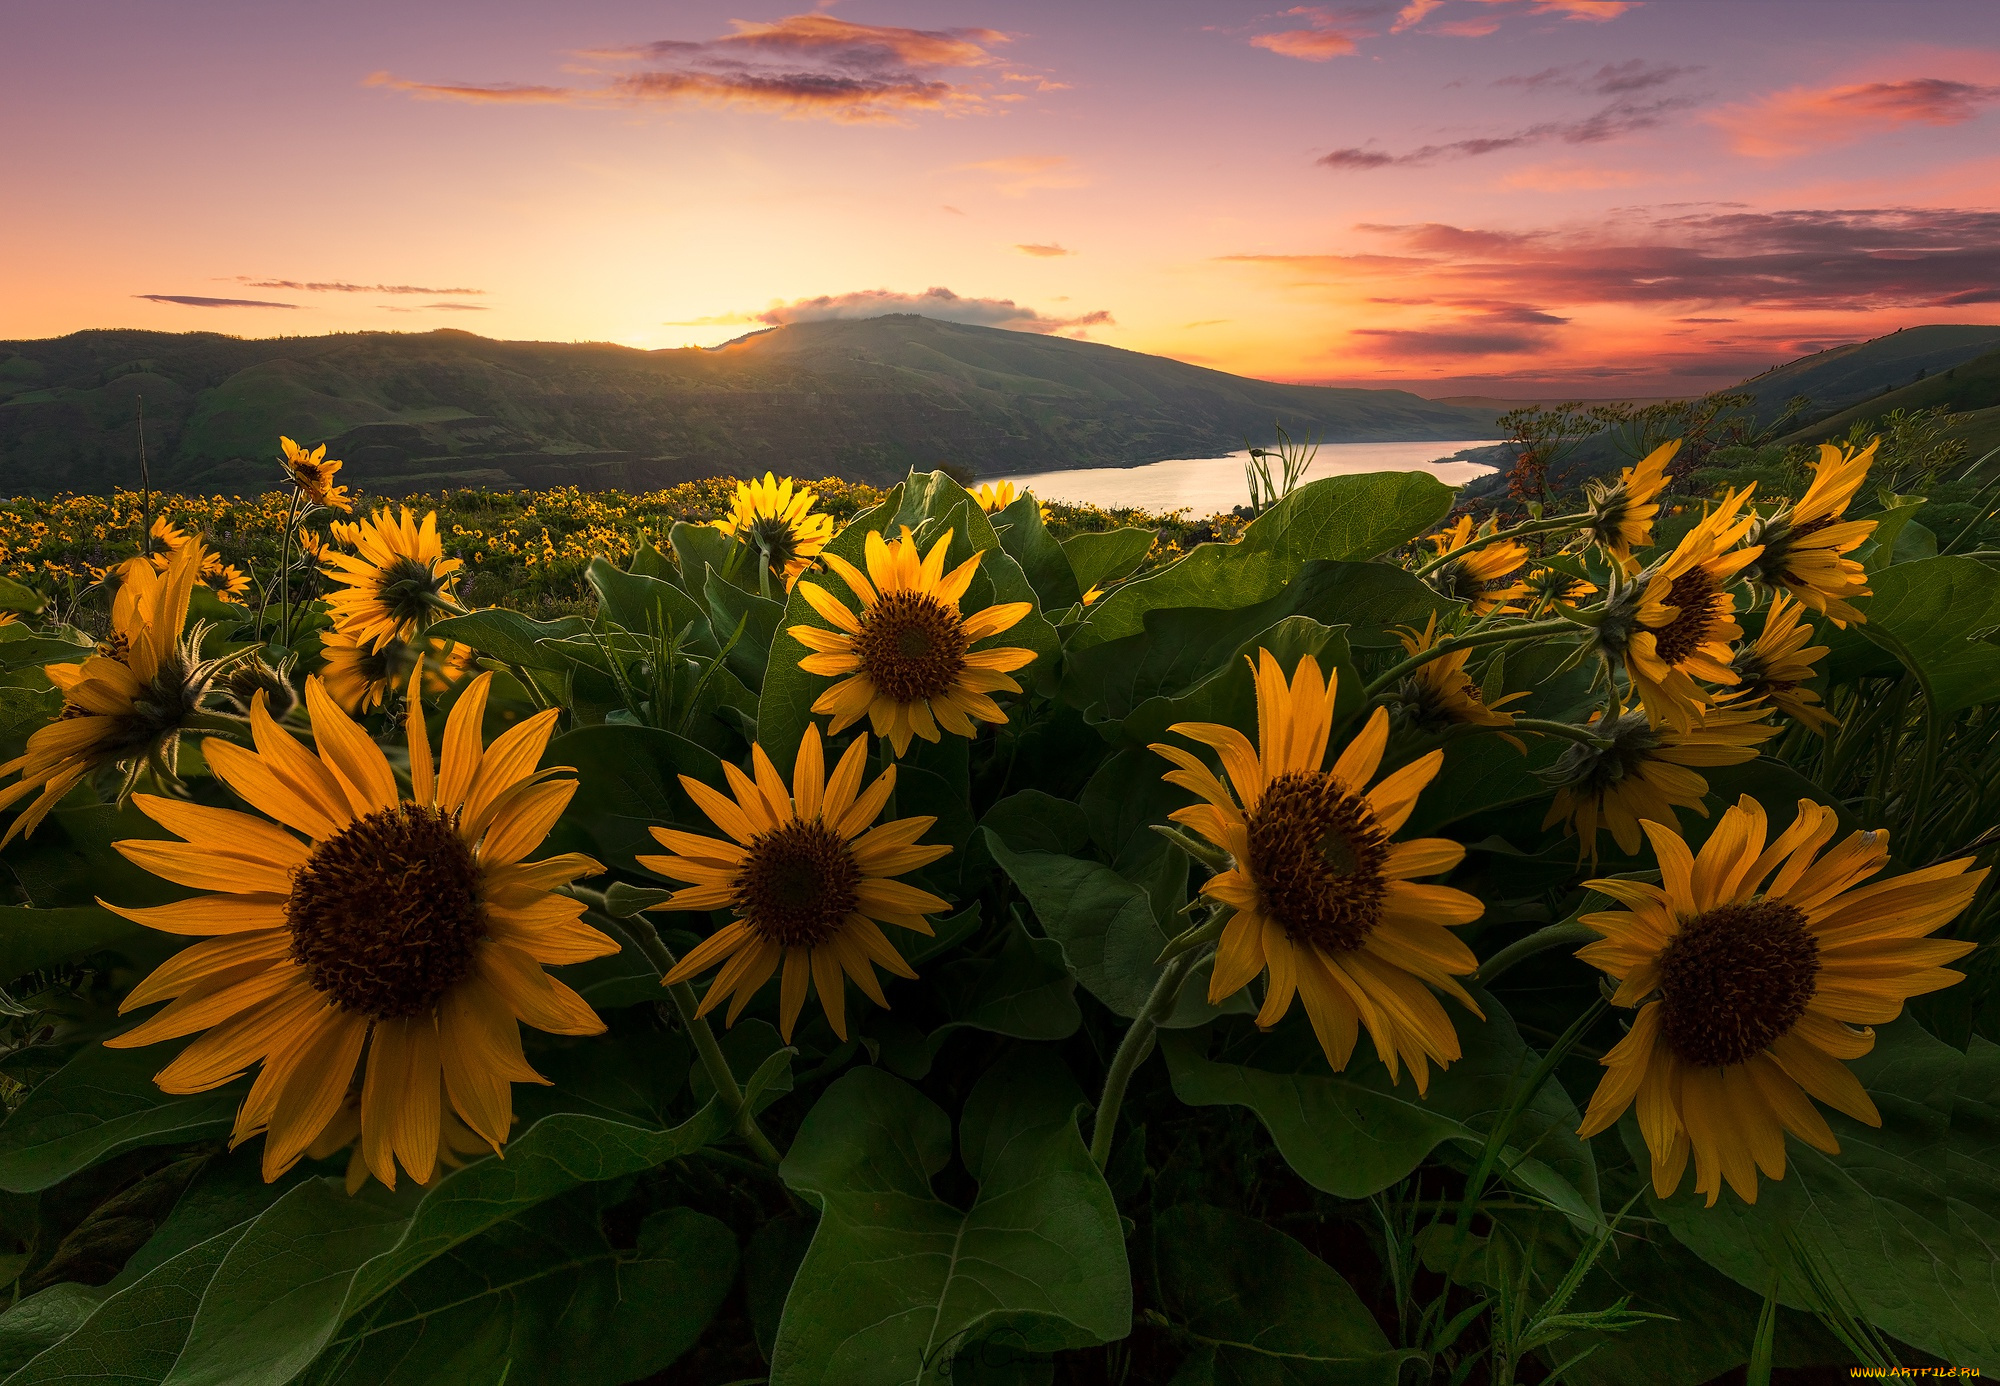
(864, 399)
(1847, 375)
(1971, 391)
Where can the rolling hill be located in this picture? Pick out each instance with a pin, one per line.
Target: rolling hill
(1970, 390)
(863, 399)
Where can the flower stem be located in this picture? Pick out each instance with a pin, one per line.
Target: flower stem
(1496, 635)
(1541, 941)
(1482, 540)
(641, 931)
(1133, 1049)
(1568, 730)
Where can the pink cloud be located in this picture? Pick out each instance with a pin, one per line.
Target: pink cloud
(1325, 36)
(1802, 118)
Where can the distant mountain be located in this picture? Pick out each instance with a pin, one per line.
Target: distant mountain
(1846, 375)
(1969, 389)
(861, 399)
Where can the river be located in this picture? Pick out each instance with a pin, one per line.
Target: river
(1208, 485)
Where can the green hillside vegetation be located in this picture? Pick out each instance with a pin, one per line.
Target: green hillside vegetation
(862, 399)
(1970, 391)
(1847, 375)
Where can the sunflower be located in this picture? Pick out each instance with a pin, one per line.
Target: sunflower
(1554, 587)
(1440, 694)
(1684, 620)
(128, 701)
(1487, 578)
(995, 496)
(908, 653)
(359, 679)
(1323, 899)
(396, 581)
(1752, 987)
(458, 1144)
(1621, 514)
(1775, 667)
(313, 475)
(226, 580)
(1805, 545)
(807, 878)
(771, 517)
(1644, 772)
(409, 925)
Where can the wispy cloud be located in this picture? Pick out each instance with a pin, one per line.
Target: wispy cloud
(1321, 34)
(1415, 12)
(1619, 118)
(932, 303)
(198, 301)
(1609, 79)
(1025, 173)
(1803, 118)
(1048, 251)
(342, 287)
(1821, 260)
(804, 65)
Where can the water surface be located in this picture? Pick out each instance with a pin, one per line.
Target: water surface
(1207, 485)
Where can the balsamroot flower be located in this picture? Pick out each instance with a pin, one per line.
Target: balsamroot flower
(128, 702)
(359, 678)
(807, 873)
(778, 521)
(1646, 772)
(1775, 667)
(996, 496)
(1621, 514)
(1324, 900)
(1756, 970)
(1805, 547)
(395, 582)
(1553, 587)
(1440, 694)
(908, 654)
(1488, 578)
(1685, 620)
(353, 919)
(313, 475)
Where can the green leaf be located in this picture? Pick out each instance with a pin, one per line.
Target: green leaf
(1481, 772)
(1032, 821)
(46, 649)
(1107, 555)
(544, 1297)
(71, 858)
(1904, 1219)
(318, 1257)
(1354, 1133)
(1121, 803)
(897, 1282)
(136, 1335)
(704, 546)
(1023, 991)
(647, 605)
(100, 1103)
(15, 597)
(1262, 1309)
(728, 605)
(509, 636)
(628, 780)
(1107, 930)
(1337, 517)
(1937, 617)
(41, 1320)
(32, 939)
(1229, 695)
(1030, 544)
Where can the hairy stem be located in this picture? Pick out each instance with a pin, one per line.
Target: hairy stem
(1568, 730)
(1497, 635)
(1138, 1042)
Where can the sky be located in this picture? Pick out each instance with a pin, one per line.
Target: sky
(1601, 198)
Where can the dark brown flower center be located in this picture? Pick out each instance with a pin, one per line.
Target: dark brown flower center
(1316, 854)
(912, 646)
(796, 885)
(1734, 980)
(1696, 595)
(385, 914)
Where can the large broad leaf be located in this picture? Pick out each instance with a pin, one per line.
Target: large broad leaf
(897, 1281)
(318, 1257)
(1261, 1309)
(1030, 544)
(102, 1102)
(629, 779)
(1106, 925)
(1106, 555)
(1905, 1219)
(32, 939)
(70, 859)
(648, 605)
(1229, 695)
(1938, 616)
(1178, 647)
(136, 1335)
(1355, 1133)
(543, 1297)
(1338, 517)
(509, 636)
(729, 606)
(1483, 772)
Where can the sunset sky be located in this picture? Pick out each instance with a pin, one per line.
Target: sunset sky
(1513, 197)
